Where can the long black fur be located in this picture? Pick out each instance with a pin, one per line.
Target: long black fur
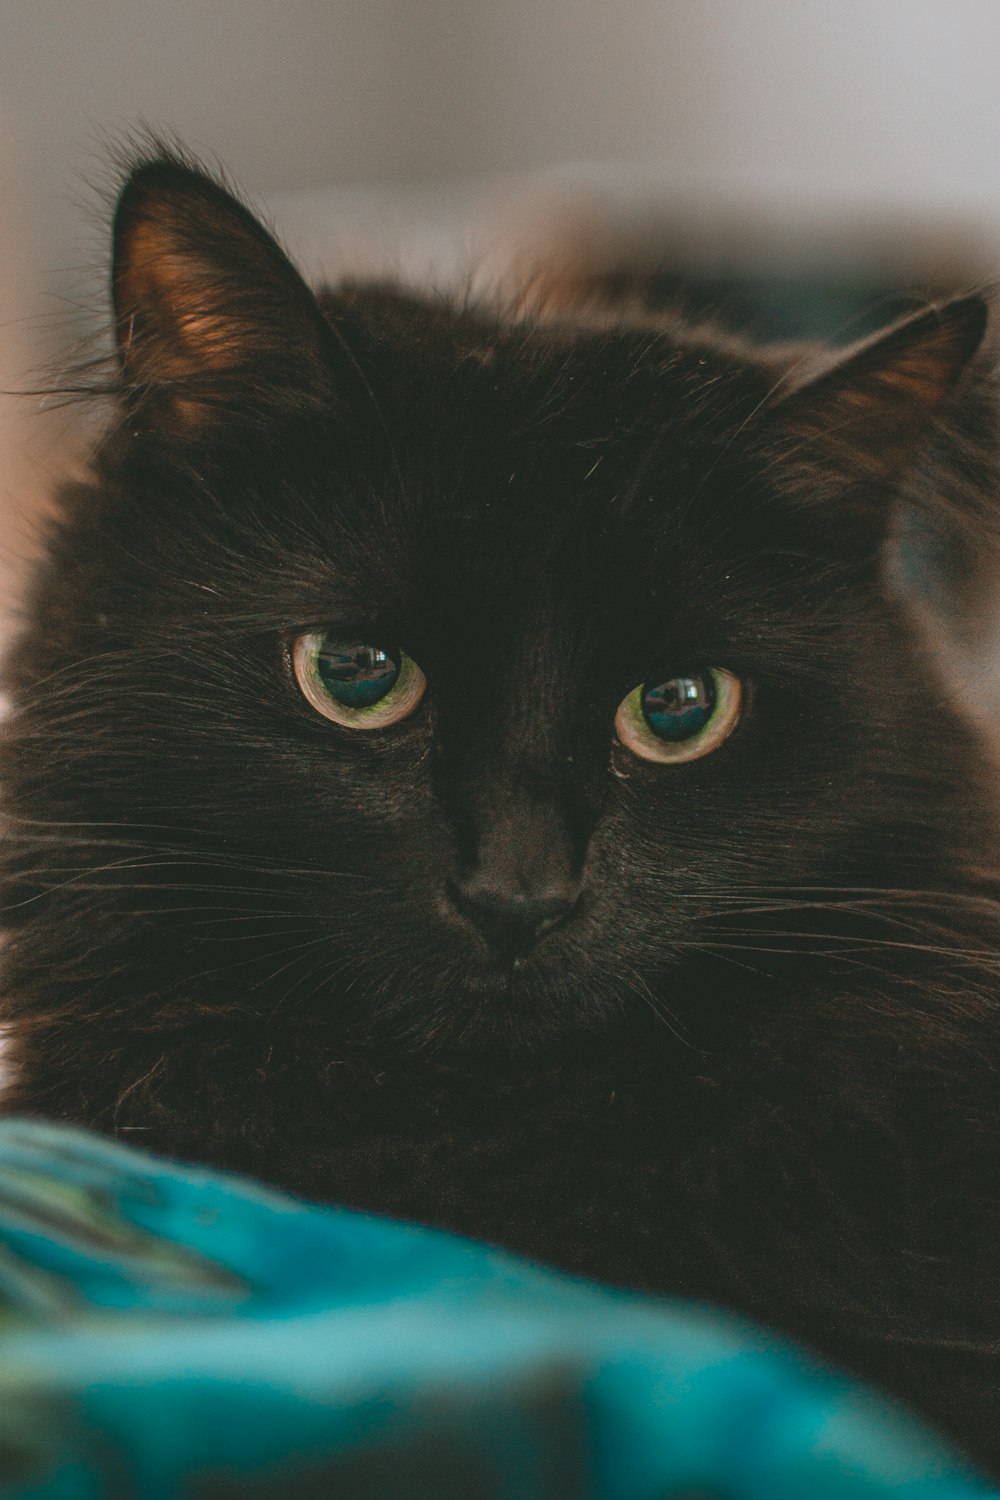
(758, 1061)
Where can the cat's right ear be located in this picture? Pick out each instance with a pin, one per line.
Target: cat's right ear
(865, 411)
(208, 309)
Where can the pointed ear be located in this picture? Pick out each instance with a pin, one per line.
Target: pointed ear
(204, 299)
(864, 412)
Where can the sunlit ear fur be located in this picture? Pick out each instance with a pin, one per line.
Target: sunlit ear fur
(205, 302)
(864, 412)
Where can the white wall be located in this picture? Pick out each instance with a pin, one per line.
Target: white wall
(896, 99)
(858, 103)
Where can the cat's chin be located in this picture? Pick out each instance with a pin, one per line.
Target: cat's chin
(510, 1014)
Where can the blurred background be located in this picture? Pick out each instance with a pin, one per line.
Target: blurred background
(809, 126)
(801, 162)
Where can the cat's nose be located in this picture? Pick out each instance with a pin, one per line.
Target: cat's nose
(513, 921)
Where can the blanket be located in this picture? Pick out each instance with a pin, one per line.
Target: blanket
(167, 1331)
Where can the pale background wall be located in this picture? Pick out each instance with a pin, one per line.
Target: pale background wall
(890, 101)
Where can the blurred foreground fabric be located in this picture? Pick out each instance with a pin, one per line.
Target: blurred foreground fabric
(168, 1331)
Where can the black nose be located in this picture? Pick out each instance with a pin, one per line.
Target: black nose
(512, 921)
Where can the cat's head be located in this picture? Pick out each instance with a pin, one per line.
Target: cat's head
(466, 679)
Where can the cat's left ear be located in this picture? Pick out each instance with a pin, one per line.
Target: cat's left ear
(205, 301)
(867, 409)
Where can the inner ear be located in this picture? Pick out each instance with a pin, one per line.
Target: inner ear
(870, 405)
(203, 295)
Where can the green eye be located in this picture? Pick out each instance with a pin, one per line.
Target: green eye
(681, 718)
(356, 683)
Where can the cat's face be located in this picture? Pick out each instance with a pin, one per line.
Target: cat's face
(459, 679)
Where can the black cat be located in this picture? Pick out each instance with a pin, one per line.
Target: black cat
(486, 770)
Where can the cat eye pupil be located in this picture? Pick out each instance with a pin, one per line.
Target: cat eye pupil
(682, 718)
(679, 708)
(356, 683)
(356, 673)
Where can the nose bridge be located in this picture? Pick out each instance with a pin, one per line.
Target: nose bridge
(508, 741)
(525, 804)
(520, 813)
(527, 833)
(523, 878)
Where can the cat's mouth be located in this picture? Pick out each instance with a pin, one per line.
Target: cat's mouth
(509, 1006)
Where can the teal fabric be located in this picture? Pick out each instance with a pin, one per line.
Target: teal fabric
(169, 1331)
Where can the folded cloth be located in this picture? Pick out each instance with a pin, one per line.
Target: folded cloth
(167, 1331)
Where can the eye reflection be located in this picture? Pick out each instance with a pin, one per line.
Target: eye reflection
(358, 684)
(679, 708)
(681, 718)
(356, 674)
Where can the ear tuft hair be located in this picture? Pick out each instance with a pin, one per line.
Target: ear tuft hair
(203, 296)
(877, 400)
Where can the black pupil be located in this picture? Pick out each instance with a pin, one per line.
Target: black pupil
(680, 707)
(356, 673)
